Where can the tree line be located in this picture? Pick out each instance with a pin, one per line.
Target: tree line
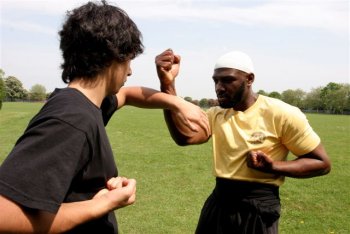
(11, 90)
(334, 98)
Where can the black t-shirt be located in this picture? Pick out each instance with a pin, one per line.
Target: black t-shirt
(63, 156)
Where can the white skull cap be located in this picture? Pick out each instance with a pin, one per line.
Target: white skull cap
(237, 60)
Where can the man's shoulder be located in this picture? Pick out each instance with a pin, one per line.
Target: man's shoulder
(68, 101)
(71, 107)
(275, 103)
(276, 108)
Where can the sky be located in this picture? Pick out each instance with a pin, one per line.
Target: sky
(294, 44)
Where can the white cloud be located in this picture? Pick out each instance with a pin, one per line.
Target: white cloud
(327, 15)
(48, 7)
(28, 27)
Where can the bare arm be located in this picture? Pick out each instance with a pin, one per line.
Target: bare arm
(120, 192)
(167, 68)
(315, 163)
(191, 118)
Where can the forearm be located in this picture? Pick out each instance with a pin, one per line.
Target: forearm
(168, 87)
(178, 132)
(16, 219)
(147, 98)
(195, 132)
(73, 214)
(181, 134)
(180, 137)
(314, 163)
(300, 168)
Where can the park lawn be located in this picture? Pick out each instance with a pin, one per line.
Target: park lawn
(173, 181)
(14, 118)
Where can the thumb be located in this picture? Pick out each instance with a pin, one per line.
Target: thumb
(177, 59)
(100, 193)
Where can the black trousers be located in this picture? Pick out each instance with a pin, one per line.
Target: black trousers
(240, 207)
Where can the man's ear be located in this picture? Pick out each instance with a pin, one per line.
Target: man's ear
(250, 79)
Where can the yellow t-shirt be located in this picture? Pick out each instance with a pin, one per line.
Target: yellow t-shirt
(269, 125)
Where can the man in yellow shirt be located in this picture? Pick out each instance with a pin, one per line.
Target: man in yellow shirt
(252, 135)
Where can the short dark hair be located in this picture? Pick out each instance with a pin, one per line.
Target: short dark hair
(93, 36)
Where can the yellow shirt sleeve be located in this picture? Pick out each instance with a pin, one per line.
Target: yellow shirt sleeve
(297, 134)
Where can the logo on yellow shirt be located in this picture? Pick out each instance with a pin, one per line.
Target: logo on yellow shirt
(257, 138)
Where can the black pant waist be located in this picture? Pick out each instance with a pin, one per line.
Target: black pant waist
(237, 190)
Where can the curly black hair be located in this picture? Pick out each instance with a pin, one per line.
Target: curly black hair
(93, 36)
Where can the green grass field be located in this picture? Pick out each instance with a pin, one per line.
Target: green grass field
(173, 182)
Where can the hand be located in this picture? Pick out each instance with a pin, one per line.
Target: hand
(168, 65)
(260, 161)
(193, 117)
(119, 192)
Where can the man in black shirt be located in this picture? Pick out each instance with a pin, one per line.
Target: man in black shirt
(61, 175)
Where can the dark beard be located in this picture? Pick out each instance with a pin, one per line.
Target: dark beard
(236, 99)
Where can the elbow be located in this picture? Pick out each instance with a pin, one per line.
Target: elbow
(185, 141)
(181, 142)
(327, 165)
(179, 139)
(326, 168)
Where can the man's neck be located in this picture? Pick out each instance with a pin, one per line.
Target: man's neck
(94, 91)
(248, 102)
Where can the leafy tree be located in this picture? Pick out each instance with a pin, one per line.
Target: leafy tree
(262, 92)
(313, 100)
(275, 94)
(189, 99)
(327, 93)
(37, 93)
(2, 91)
(2, 74)
(48, 95)
(203, 103)
(338, 99)
(213, 102)
(294, 97)
(2, 87)
(14, 89)
(196, 102)
(347, 96)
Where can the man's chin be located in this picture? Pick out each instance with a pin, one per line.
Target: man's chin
(224, 102)
(225, 105)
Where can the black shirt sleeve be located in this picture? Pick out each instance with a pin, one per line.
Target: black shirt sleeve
(39, 170)
(108, 107)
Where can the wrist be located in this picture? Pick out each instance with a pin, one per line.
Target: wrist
(168, 88)
(100, 206)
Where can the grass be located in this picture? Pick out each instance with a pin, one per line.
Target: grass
(14, 118)
(173, 182)
(321, 204)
